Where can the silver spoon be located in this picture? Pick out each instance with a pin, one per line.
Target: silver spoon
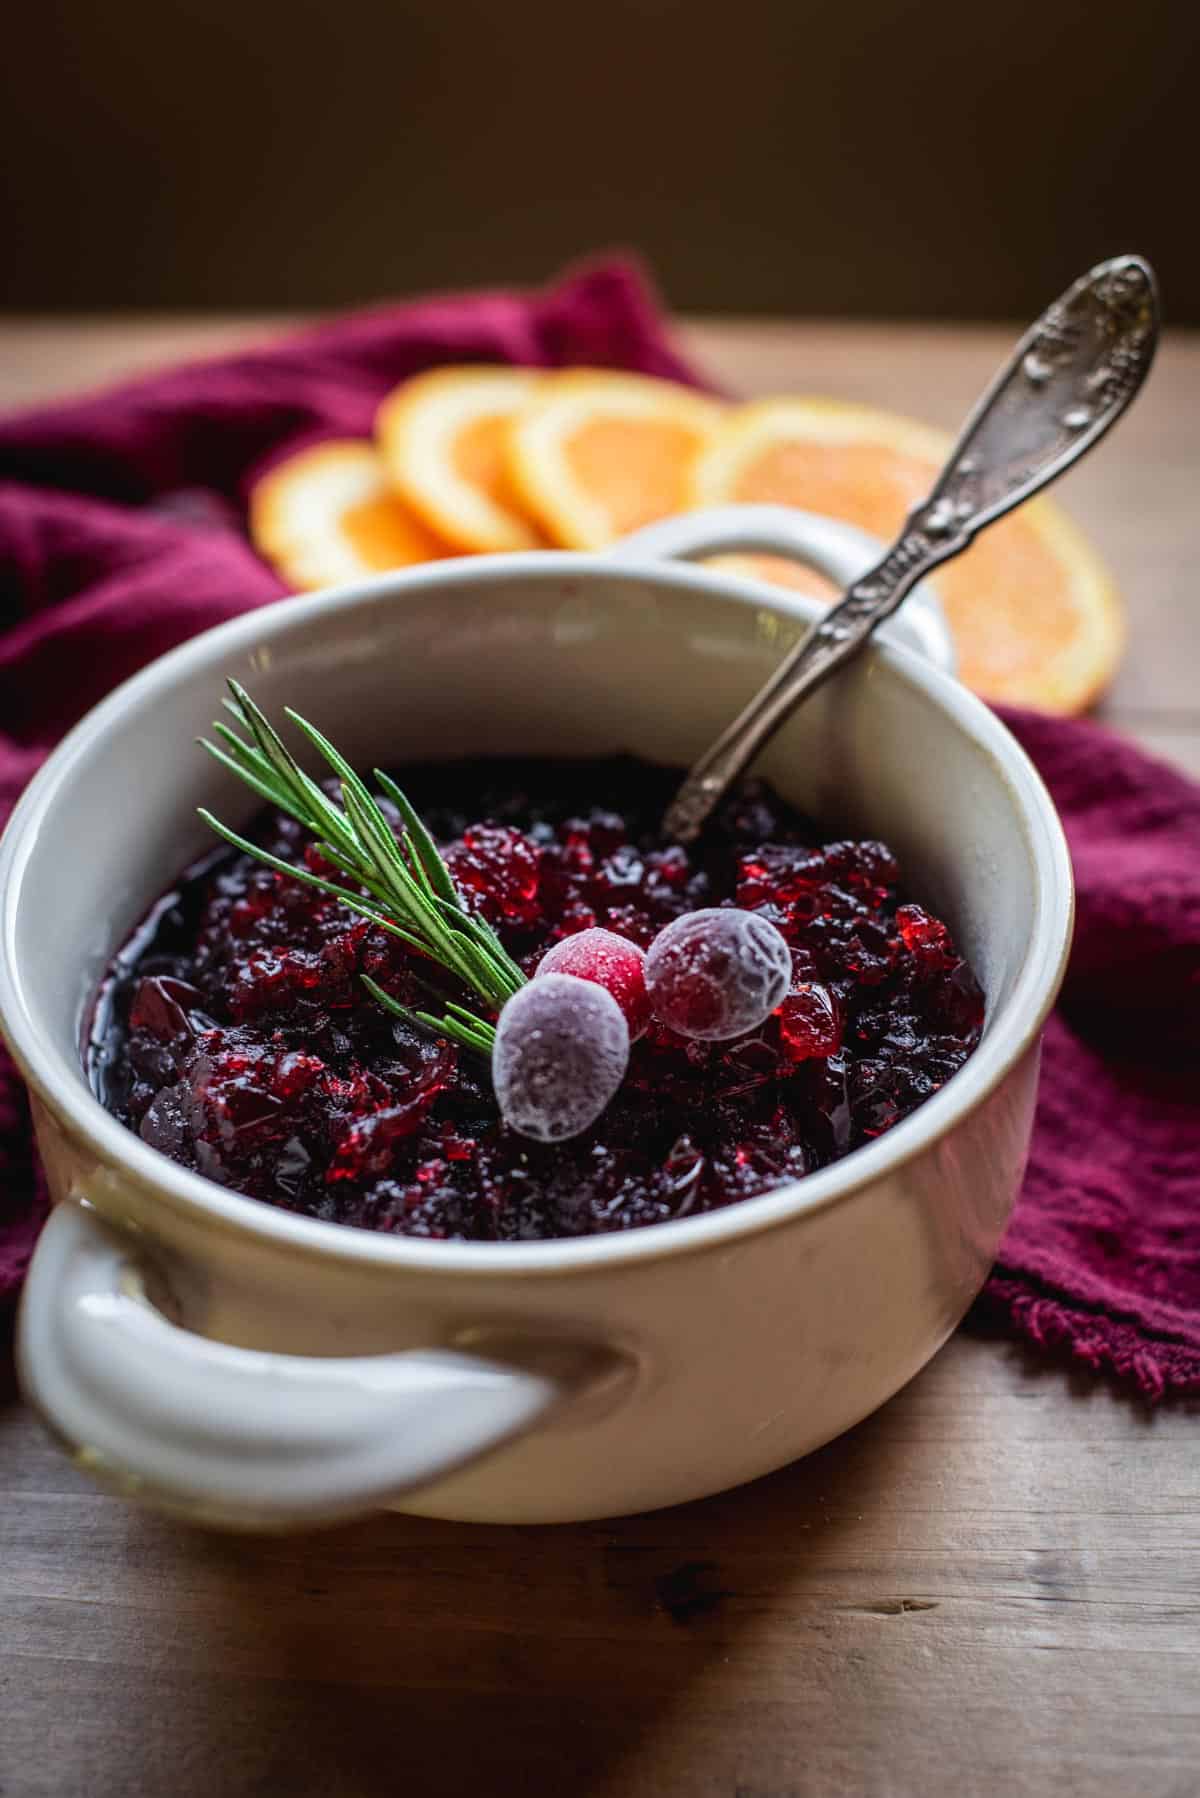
(1070, 378)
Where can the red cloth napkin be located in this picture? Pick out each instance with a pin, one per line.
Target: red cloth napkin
(120, 535)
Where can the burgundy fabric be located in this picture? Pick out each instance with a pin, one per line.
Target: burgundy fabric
(120, 535)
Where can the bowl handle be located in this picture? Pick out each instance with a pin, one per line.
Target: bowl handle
(839, 551)
(242, 1437)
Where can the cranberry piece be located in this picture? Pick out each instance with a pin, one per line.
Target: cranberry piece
(295, 1073)
(958, 1004)
(717, 974)
(161, 1006)
(497, 867)
(367, 1146)
(926, 939)
(613, 962)
(810, 1024)
(164, 1124)
(562, 1046)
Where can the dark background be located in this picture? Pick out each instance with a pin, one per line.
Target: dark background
(858, 157)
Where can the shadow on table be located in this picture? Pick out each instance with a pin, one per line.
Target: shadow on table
(405, 1654)
(1047, 1365)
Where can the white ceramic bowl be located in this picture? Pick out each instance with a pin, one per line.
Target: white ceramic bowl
(223, 1359)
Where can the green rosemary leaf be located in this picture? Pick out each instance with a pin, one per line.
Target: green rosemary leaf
(467, 1017)
(264, 788)
(270, 743)
(495, 956)
(506, 970)
(339, 764)
(463, 1027)
(486, 976)
(393, 873)
(300, 794)
(375, 833)
(398, 879)
(424, 847)
(470, 1039)
(411, 860)
(353, 901)
(385, 999)
(245, 753)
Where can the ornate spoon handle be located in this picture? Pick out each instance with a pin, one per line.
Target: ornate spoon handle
(1070, 378)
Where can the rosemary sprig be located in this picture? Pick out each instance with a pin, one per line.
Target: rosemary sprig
(401, 884)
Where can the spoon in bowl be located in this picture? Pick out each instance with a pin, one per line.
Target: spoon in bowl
(1069, 379)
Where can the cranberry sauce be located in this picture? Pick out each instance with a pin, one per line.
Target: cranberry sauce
(234, 1033)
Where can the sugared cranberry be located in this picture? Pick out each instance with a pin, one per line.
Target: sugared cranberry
(613, 962)
(717, 974)
(562, 1047)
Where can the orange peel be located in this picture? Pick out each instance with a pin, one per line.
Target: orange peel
(1034, 613)
(596, 454)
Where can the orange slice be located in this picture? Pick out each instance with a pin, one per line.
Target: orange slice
(1033, 611)
(327, 515)
(442, 437)
(596, 454)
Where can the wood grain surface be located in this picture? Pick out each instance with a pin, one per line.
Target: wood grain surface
(990, 1587)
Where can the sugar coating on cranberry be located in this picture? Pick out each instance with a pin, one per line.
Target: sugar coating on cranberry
(716, 974)
(613, 962)
(562, 1047)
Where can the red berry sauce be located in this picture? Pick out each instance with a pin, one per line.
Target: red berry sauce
(234, 1034)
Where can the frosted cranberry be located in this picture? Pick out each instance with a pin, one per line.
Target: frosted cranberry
(575, 917)
(717, 974)
(622, 872)
(613, 962)
(562, 1046)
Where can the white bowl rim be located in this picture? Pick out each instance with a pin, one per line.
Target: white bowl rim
(62, 1084)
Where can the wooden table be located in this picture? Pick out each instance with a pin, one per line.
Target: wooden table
(991, 1587)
